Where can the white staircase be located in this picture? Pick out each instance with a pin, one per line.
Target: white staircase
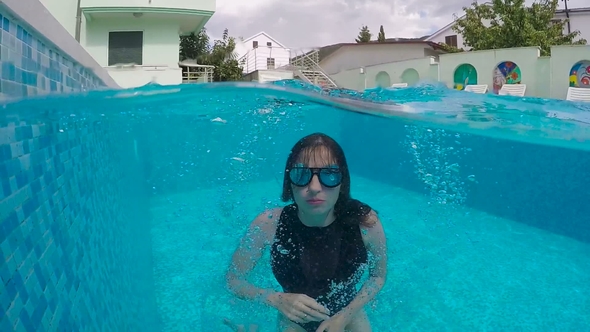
(306, 67)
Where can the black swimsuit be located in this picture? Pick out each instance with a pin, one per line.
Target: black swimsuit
(325, 263)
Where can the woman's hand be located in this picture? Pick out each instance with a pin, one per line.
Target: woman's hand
(299, 308)
(336, 323)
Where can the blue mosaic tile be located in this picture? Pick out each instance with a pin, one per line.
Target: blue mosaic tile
(55, 276)
(69, 258)
(5, 325)
(31, 66)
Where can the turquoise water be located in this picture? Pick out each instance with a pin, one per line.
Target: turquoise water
(140, 196)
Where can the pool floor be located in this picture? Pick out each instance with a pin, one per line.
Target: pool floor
(451, 268)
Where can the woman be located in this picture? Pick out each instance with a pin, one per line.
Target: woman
(320, 246)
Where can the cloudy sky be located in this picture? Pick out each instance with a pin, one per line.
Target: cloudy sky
(313, 23)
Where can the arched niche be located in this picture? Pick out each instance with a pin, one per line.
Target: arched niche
(383, 80)
(465, 74)
(410, 76)
(506, 72)
(580, 75)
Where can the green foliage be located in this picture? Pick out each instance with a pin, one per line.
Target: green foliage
(451, 49)
(222, 54)
(513, 24)
(228, 70)
(381, 36)
(224, 58)
(194, 46)
(364, 36)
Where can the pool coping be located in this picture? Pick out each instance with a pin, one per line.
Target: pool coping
(38, 18)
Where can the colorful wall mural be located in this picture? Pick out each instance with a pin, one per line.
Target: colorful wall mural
(580, 75)
(506, 72)
(464, 75)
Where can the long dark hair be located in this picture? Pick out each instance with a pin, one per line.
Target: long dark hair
(352, 210)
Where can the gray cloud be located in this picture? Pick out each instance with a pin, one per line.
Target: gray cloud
(313, 23)
(438, 8)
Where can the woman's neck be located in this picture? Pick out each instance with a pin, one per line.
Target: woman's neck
(316, 220)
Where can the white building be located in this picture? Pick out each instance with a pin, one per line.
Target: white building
(262, 52)
(336, 58)
(579, 20)
(136, 41)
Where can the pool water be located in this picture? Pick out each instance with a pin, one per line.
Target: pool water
(140, 197)
(451, 269)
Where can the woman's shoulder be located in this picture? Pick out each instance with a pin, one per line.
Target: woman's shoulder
(356, 208)
(271, 215)
(268, 219)
(359, 212)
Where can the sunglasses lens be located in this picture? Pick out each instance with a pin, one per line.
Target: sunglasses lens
(330, 177)
(300, 176)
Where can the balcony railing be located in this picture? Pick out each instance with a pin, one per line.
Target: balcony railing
(195, 73)
(260, 59)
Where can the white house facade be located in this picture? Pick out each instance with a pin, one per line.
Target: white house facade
(579, 20)
(136, 41)
(262, 52)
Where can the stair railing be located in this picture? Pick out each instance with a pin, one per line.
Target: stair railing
(309, 61)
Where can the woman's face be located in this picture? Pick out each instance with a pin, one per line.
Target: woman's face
(315, 197)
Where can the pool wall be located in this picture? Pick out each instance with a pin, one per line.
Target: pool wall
(74, 235)
(544, 76)
(537, 185)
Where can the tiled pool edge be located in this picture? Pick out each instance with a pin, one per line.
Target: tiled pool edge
(31, 64)
(73, 254)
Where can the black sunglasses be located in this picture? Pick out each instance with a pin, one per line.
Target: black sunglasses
(329, 177)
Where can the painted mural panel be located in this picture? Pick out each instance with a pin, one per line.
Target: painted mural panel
(506, 72)
(580, 75)
(464, 75)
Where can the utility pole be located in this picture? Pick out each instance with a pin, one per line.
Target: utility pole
(567, 14)
(78, 21)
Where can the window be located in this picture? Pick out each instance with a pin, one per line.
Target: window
(125, 47)
(269, 44)
(270, 63)
(451, 40)
(254, 44)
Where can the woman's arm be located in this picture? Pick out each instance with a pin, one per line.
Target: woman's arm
(260, 234)
(374, 238)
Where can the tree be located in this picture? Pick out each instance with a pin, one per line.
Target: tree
(194, 46)
(512, 24)
(381, 36)
(364, 36)
(222, 54)
(225, 59)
